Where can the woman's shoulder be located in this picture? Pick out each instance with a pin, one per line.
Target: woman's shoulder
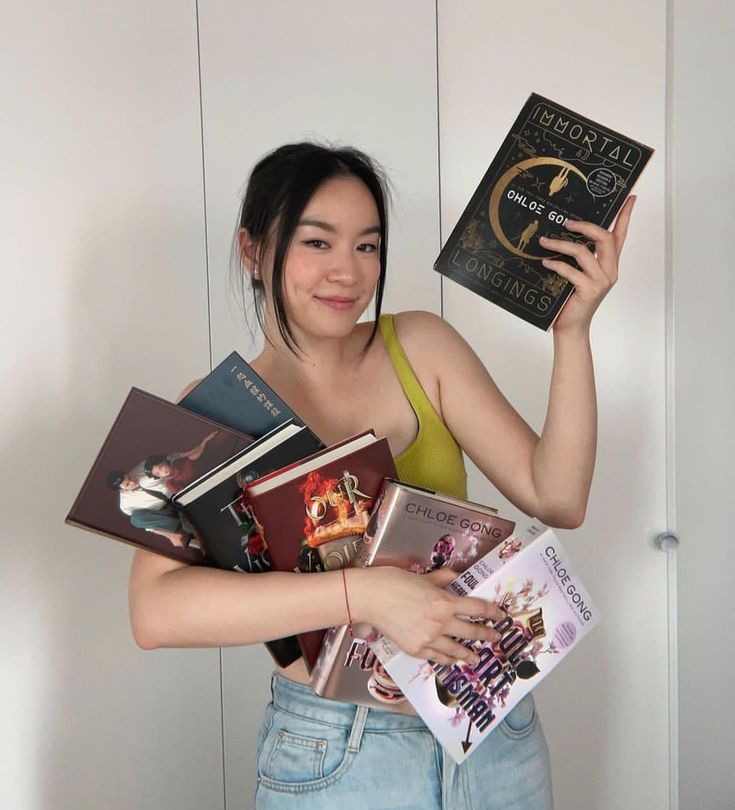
(422, 331)
(432, 345)
(418, 320)
(429, 343)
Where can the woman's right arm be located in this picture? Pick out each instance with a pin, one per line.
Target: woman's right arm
(178, 605)
(173, 604)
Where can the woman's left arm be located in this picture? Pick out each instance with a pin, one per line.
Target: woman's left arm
(548, 477)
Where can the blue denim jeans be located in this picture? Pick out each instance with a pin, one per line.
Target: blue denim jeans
(317, 753)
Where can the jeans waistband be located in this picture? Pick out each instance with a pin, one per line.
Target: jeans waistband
(302, 701)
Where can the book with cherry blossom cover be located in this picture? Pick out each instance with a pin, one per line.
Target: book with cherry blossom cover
(548, 612)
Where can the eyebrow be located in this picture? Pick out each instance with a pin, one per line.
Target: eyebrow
(318, 223)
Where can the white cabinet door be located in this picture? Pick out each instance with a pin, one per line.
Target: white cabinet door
(358, 73)
(103, 286)
(605, 710)
(703, 244)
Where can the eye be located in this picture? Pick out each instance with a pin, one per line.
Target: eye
(368, 247)
(317, 243)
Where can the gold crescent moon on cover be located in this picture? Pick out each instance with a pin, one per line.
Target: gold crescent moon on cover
(502, 184)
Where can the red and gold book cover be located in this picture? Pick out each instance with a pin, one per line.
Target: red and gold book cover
(313, 515)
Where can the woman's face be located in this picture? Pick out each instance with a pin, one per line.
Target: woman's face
(333, 263)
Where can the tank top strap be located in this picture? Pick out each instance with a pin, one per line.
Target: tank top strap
(415, 394)
(434, 460)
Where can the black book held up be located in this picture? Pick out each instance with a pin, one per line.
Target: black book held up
(554, 164)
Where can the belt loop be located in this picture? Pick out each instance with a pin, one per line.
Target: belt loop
(358, 727)
(274, 674)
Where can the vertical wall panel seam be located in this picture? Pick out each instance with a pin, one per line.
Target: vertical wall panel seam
(222, 725)
(209, 333)
(438, 151)
(204, 184)
(670, 398)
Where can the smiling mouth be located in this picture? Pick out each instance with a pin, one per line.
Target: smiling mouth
(336, 303)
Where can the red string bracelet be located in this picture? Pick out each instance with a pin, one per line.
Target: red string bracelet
(347, 603)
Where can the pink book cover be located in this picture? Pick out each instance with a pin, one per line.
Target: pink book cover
(548, 612)
(419, 530)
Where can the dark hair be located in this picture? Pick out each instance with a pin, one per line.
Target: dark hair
(279, 189)
(151, 461)
(115, 478)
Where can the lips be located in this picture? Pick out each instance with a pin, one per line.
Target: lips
(336, 302)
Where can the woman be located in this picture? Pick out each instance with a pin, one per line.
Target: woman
(312, 241)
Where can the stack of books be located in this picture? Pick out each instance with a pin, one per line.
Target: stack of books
(261, 492)
(169, 478)
(418, 530)
(547, 612)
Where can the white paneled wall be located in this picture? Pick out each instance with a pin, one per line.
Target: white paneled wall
(102, 256)
(703, 243)
(589, 58)
(112, 175)
(359, 73)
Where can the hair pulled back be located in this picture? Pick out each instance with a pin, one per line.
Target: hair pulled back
(278, 190)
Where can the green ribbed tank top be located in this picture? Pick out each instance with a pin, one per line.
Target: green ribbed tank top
(434, 459)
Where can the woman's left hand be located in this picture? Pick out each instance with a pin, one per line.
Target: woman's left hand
(599, 270)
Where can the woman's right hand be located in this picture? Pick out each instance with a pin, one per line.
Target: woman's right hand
(423, 619)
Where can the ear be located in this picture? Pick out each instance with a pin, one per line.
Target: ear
(248, 249)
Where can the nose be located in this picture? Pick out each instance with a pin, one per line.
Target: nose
(345, 268)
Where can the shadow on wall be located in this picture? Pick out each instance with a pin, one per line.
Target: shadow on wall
(111, 726)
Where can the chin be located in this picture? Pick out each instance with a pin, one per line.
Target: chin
(333, 327)
(333, 322)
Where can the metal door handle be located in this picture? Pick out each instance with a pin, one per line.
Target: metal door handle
(667, 542)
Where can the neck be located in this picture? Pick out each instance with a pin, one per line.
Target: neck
(317, 360)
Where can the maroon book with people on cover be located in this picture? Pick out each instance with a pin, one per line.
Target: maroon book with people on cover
(153, 450)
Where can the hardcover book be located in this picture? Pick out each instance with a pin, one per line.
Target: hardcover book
(215, 504)
(224, 522)
(152, 451)
(421, 531)
(554, 164)
(547, 613)
(235, 395)
(313, 514)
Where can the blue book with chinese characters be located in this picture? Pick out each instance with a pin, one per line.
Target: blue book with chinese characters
(235, 396)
